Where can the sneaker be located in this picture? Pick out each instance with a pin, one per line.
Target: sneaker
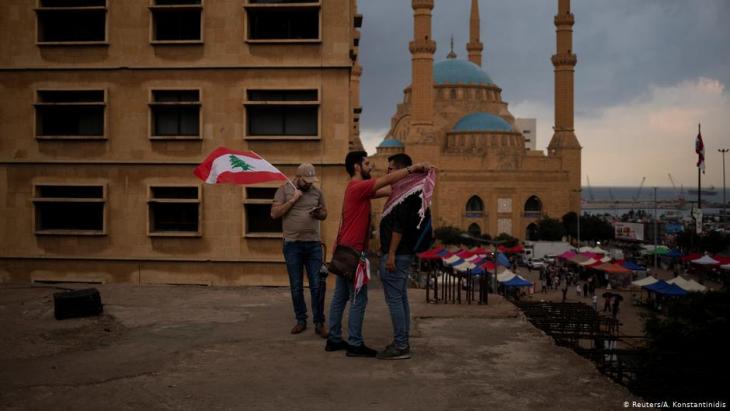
(336, 346)
(360, 351)
(392, 353)
(298, 328)
(321, 330)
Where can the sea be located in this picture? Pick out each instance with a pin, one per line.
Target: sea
(711, 204)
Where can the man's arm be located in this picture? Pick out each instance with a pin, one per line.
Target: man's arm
(398, 175)
(278, 209)
(395, 238)
(383, 192)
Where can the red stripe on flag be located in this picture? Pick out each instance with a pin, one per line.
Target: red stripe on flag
(249, 178)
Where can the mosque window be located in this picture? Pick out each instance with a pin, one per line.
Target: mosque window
(283, 20)
(257, 210)
(474, 230)
(174, 211)
(474, 207)
(282, 113)
(70, 114)
(533, 207)
(69, 22)
(175, 114)
(70, 209)
(177, 21)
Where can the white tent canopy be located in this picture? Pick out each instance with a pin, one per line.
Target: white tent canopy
(725, 267)
(687, 285)
(588, 262)
(465, 266)
(706, 260)
(644, 281)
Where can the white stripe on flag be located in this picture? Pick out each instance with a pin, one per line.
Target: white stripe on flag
(223, 163)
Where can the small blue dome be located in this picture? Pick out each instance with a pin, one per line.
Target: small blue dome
(454, 71)
(390, 143)
(482, 122)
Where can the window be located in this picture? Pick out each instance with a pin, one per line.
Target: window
(282, 113)
(283, 20)
(533, 207)
(474, 207)
(257, 208)
(70, 209)
(474, 230)
(70, 114)
(177, 21)
(174, 211)
(175, 114)
(71, 21)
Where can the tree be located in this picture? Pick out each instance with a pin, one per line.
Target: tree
(506, 240)
(448, 235)
(550, 229)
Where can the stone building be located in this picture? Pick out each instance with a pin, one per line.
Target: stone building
(453, 116)
(108, 105)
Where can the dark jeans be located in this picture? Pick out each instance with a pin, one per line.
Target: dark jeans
(298, 255)
(395, 286)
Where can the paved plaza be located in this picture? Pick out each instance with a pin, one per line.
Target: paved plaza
(190, 348)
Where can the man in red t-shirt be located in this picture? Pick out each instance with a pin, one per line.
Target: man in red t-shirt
(354, 232)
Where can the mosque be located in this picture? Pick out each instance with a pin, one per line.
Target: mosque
(453, 116)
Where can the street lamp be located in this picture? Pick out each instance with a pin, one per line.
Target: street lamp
(656, 229)
(724, 200)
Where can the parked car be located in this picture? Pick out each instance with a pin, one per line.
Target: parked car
(535, 263)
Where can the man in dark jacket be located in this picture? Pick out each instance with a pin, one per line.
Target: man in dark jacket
(398, 238)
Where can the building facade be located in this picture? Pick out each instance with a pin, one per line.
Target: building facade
(107, 107)
(453, 116)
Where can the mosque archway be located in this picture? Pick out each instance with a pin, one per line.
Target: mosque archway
(474, 230)
(474, 207)
(533, 207)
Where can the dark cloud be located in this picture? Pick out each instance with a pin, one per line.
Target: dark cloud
(623, 47)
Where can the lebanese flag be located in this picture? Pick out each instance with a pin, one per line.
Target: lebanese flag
(700, 150)
(224, 165)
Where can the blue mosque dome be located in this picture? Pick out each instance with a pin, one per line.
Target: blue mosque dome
(482, 122)
(453, 71)
(390, 143)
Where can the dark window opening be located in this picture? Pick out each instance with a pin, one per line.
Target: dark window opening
(62, 208)
(281, 1)
(175, 113)
(174, 209)
(260, 193)
(175, 24)
(258, 219)
(287, 24)
(474, 230)
(475, 204)
(189, 193)
(282, 95)
(177, 2)
(282, 120)
(70, 113)
(79, 25)
(73, 3)
(533, 204)
(167, 217)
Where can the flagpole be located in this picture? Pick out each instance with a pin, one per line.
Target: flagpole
(287, 177)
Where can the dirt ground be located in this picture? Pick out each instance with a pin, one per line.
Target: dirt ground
(191, 348)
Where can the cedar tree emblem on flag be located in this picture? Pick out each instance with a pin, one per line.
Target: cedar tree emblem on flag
(224, 165)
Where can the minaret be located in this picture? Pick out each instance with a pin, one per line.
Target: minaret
(422, 48)
(564, 143)
(474, 46)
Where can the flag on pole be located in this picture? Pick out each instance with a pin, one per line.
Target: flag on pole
(700, 150)
(224, 165)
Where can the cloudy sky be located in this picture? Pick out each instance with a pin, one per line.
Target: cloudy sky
(648, 72)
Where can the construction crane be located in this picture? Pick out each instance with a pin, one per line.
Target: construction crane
(673, 185)
(590, 189)
(638, 192)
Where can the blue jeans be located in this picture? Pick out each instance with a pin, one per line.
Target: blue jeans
(395, 286)
(344, 291)
(300, 254)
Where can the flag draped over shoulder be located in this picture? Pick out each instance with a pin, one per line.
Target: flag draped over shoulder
(224, 165)
(700, 150)
(418, 183)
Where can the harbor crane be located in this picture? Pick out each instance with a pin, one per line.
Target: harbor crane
(590, 189)
(638, 192)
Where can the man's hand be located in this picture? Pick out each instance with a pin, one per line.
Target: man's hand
(421, 167)
(296, 196)
(390, 263)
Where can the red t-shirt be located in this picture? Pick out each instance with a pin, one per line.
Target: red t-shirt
(354, 231)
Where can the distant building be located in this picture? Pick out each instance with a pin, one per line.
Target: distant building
(108, 106)
(453, 116)
(528, 128)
